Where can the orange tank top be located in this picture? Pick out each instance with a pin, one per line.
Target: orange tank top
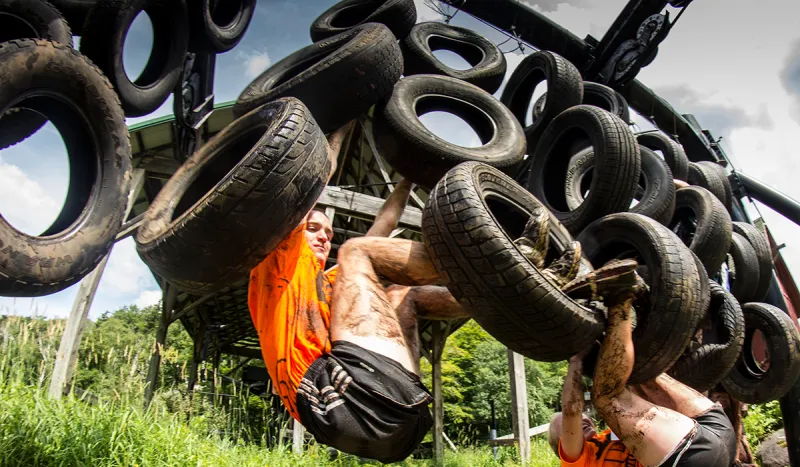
(289, 297)
(601, 451)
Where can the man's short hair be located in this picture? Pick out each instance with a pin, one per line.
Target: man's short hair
(318, 209)
(554, 433)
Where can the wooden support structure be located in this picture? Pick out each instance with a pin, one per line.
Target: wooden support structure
(298, 436)
(519, 404)
(67, 355)
(439, 332)
(167, 305)
(197, 358)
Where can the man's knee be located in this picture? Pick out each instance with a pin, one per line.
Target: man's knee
(353, 248)
(398, 294)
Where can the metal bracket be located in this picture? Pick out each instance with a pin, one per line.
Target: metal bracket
(193, 101)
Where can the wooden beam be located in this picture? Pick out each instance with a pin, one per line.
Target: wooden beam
(439, 333)
(365, 207)
(519, 404)
(510, 440)
(167, 305)
(71, 339)
(298, 437)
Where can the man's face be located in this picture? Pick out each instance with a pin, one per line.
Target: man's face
(319, 233)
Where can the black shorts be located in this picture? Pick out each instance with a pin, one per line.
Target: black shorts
(364, 404)
(711, 444)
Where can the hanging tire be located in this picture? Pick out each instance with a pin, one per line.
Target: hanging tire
(398, 15)
(423, 157)
(617, 165)
(704, 224)
(744, 279)
(706, 365)
(236, 198)
(748, 381)
(564, 89)
(337, 79)
(82, 105)
(27, 19)
(667, 317)
(488, 63)
(75, 12)
(713, 178)
(672, 152)
(655, 192)
(469, 222)
(607, 99)
(218, 26)
(758, 241)
(103, 42)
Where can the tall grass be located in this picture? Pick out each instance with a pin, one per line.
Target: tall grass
(178, 429)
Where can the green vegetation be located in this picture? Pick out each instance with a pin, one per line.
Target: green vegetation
(761, 421)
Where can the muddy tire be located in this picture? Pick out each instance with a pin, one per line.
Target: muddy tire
(671, 151)
(704, 365)
(398, 15)
(758, 241)
(469, 223)
(233, 201)
(82, 105)
(668, 315)
(704, 224)
(423, 157)
(217, 27)
(338, 79)
(748, 381)
(744, 268)
(104, 39)
(713, 178)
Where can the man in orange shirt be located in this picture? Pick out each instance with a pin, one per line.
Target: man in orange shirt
(341, 349)
(660, 422)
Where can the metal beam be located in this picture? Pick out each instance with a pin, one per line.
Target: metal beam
(519, 404)
(782, 204)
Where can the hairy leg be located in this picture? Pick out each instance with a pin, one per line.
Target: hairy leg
(650, 432)
(672, 394)
(362, 312)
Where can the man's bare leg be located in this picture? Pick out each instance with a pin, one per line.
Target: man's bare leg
(668, 392)
(650, 432)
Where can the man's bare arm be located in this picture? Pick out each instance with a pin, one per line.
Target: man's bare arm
(391, 211)
(335, 142)
(572, 411)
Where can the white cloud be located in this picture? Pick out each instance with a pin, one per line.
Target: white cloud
(125, 273)
(24, 203)
(147, 298)
(255, 62)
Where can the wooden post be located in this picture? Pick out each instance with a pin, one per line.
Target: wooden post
(167, 305)
(197, 357)
(439, 331)
(519, 404)
(298, 436)
(71, 339)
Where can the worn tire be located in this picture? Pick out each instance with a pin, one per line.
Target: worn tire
(564, 89)
(220, 29)
(707, 364)
(617, 165)
(747, 382)
(27, 19)
(236, 198)
(337, 79)
(672, 152)
(104, 39)
(467, 241)
(758, 241)
(423, 157)
(488, 63)
(668, 315)
(607, 99)
(711, 239)
(657, 198)
(82, 105)
(713, 178)
(75, 12)
(398, 15)
(745, 264)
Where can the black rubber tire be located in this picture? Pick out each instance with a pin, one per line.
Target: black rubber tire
(470, 244)
(75, 12)
(617, 165)
(218, 30)
(745, 264)
(713, 178)
(398, 15)
(82, 105)
(104, 39)
(488, 63)
(232, 202)
(337, 79)
(711, 239)
(423, 157)
(564, 88)
(657, 198)
(758, 241)
(673, 153)
(27, 19)
(667, 317)
(607, 99)
(747, 382)
(707, 364)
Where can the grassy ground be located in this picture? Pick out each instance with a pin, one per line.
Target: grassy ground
(37, 431)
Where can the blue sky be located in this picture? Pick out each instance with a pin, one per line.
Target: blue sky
(735, 66)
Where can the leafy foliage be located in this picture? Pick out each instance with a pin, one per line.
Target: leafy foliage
(761, 421)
